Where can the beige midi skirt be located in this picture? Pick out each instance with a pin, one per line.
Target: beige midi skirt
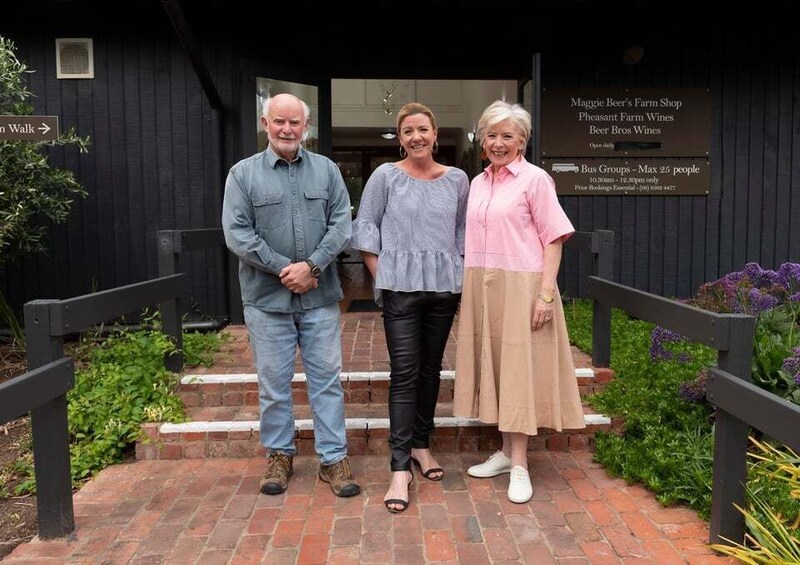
(506, 373)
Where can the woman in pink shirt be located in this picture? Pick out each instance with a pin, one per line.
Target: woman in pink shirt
(513, 364)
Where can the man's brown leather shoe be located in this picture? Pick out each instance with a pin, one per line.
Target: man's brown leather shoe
(340, 477)
(276, 477)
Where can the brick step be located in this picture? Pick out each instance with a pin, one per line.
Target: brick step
(354, 411)
(367, 434)
(359, 387)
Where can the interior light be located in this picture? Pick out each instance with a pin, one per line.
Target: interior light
(388, 135)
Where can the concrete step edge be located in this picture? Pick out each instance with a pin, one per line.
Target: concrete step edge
(350, 423)
(235, 378)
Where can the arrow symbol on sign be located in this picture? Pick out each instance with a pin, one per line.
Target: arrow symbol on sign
(44, 128)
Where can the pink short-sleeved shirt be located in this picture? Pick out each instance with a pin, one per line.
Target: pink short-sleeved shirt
(510, 222)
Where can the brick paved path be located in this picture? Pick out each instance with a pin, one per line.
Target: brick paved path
(210, 511)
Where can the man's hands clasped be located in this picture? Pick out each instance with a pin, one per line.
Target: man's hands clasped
(297, 277)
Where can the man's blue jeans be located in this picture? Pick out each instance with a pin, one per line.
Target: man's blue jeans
(274, 337)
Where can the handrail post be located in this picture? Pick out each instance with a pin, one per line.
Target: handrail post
(50, 430)
(168, 253)
(602, 266)
(730, 441)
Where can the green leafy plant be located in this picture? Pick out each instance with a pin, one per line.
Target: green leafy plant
(199, 348)
(120, 383)
(29, 187)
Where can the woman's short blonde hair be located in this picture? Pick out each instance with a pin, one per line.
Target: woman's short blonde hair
(500, 111)
(414, 108)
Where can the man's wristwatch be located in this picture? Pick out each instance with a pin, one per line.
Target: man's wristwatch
(315, 270)
(546, 298)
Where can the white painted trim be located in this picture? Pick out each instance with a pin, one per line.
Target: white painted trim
(237, 378)
(350, 424)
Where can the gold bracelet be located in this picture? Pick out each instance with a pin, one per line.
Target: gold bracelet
(546, 298)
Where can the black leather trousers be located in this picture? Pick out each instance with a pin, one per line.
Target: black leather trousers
(417, 325)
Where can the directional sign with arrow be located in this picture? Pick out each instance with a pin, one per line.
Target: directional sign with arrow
(30, 128)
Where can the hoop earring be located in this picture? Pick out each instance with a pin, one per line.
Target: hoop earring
(435, 147)
(403, 153)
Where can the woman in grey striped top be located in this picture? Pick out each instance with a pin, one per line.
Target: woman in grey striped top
(410, 231)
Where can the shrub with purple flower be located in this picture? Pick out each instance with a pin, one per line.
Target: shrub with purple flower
(773, 297)
(790, 372)
(695, 390)
(750, 291)
(658, 340)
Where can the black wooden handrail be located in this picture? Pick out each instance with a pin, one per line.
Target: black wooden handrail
(25, 392)
(732, 336)
(47, 406)
(767, 412)
(171, 244)
(46, 324)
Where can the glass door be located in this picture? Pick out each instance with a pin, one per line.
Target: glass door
(263, 80)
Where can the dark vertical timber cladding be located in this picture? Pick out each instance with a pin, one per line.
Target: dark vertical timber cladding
(673, 230)
(728, 158)
(782, 163)
(624, 229)
(90, 259)
(212, 182)
(641, 244)
(657, 246)
(697, 252)
(163, 139)
(660, 226)
(133, 150)
(119, 164)
(584, 259)
(179, 116)
(568, 281)
(101, 154)
(612, 223)
(794, 193)
(766, 249)
(754, 197)
(79, 252)
(60, 100)
(148, 47)
(599, 221)
(179, 138)
(699, 77)
(196, 112)
(738, 230)
(713, 203)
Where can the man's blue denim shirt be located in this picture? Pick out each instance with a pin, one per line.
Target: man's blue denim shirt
(275, 213)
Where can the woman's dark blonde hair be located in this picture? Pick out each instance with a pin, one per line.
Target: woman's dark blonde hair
(500, 111)
(414, 108)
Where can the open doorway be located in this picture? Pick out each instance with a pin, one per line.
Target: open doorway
(364, 112)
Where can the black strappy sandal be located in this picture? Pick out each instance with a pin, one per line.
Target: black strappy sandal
(427, 474)
(398, 501)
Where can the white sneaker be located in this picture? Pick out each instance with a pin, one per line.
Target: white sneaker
(519, 486)
(497, 464)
